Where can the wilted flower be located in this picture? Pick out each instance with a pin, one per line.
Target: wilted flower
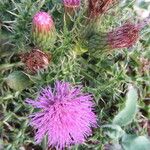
(124, 36)
(99, 7)
(35, 60)
(65, 115)
(43, 30)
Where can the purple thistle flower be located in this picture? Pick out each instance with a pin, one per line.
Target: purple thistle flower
(66, 115)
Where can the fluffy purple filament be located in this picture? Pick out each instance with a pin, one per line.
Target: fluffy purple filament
(66, 115)
(71, 3)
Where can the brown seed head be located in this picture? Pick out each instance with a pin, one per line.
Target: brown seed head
(35, 60)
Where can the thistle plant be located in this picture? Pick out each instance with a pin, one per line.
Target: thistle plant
(123, 37)
(144, 65)
(70, 93)
(43, 31)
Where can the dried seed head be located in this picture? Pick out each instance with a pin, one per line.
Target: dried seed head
(35, 60)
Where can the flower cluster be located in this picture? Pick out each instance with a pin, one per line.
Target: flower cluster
(124, 36)
(66, 115)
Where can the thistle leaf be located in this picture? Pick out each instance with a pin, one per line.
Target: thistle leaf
(18, 81)
(133, 142)
(128, 113)
(113, 131)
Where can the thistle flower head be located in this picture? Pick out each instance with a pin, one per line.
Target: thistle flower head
(43, 31)
(35, 60)
(42, 21)
(124, 36)
(71, 3)
(98, 7)
(65, 115)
